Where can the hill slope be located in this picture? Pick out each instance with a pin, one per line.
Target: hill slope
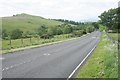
(26, 22)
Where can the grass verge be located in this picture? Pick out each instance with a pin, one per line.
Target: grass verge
(16, 44)
(115, 36)
(104, 61)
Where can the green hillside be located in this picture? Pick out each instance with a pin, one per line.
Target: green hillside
(26, 22)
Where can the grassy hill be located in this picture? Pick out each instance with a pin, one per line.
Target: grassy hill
(26, 22)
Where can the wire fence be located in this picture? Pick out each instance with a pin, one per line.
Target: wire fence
(112, 39)
(23, 42)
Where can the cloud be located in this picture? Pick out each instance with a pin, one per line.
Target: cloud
(65, 9)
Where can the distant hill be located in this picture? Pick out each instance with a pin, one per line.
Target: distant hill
(26, 22)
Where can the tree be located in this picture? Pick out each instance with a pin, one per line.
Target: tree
(110, 18)
(89, 29)
(16, 34)
(56, 30)
(59, 31)
(96, 25)
(68, 21)
(67, 29)
(4, 34)
(102, 28)
(78, 33)
(27, 34)
(52, 30)
(42, 30)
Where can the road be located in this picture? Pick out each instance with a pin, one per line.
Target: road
(53, 61)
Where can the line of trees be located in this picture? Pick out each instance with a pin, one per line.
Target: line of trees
(111, 19)
(69, 21)
(49, 32)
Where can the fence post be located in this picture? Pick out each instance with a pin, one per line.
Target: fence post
(30, 41)
(38, 39)
(22, 42)
(10, 42)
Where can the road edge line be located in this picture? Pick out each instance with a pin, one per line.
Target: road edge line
(81, 62)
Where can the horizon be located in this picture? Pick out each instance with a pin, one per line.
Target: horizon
(79, 10)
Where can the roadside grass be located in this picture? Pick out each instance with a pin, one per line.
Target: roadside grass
(27, 42)
(115, 36)
(104, 61)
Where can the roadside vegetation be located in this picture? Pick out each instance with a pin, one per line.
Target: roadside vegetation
(104, 61)
(115, 36)
(110, 19)
(19, 43)
(18, 36)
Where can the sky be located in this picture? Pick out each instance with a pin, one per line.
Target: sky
(78, 10)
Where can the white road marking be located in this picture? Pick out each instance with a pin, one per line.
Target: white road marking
(93, 37)
(80, 63)
(7, 68)
(46, 54)
(2, 69)
(1, 58)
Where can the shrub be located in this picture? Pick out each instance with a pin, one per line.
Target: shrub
(16, 34)
(42, 30)
(67, 29)
(89, 29)
(4, 34)
(84, 31)
(47, 36)
(78, 33)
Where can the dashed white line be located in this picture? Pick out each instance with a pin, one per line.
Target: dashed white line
(2, 69)
(46, 54)
(93, 37)
(1, 58)
(6, 68)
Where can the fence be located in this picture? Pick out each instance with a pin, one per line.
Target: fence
(17, 43)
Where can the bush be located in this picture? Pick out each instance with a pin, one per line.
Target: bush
(27, 34)
(67, 29)
(6, 38)
(90, 29)
(78, 33)
(47, 36)
(59, 31)
(42, 30)
(84, 31)
(16, 34)
(4, 34)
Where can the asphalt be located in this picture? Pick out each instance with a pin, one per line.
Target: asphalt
(53, 61)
